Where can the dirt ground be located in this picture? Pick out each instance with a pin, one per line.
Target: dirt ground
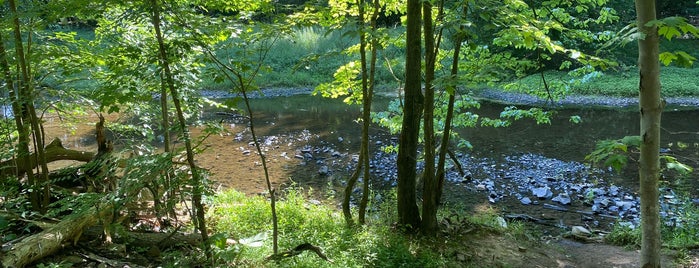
(235, 164)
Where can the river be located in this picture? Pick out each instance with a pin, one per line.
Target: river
(525, 167)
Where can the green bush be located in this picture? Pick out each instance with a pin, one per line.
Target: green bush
(624, 235)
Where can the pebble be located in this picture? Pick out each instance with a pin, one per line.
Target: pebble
(324, 170)
(580, 231)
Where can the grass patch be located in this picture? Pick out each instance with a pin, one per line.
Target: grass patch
(377, 244)
(682, 234)
(675, 82)
(311, 55)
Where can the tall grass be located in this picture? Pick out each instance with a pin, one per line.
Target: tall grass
(675, 82)
(377, 245)
(247, 221)
(310, 56)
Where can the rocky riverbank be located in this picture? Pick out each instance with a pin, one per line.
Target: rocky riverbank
(567, 192)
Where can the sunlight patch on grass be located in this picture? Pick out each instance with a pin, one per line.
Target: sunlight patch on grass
(378, 244)
(675, 82)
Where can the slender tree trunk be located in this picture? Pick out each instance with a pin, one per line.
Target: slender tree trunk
(429, 191)
(40, 197)
(364, 144)
(243, 85)
(368, 96)
(451, 90)
(408, 214)
(23, 144)
(196, 176)
(651, 107)
(272, 194)
(165, 124)
(346, 209)
(168, 191)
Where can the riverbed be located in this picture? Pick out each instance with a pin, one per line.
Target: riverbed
(537, 170)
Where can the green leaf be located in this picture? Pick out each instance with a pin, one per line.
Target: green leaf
(616, 161)
(669, 32)
(575, 119)
(684, 59)
(667, 57)
(632, 140)
(679, 167)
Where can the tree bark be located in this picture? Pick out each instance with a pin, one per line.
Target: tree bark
(368, 96)
(39, 196)
(54, 152)
(53, 238)
(170, 81)
(408, 214)
(451, 90)
(651, 107)
(429, 191)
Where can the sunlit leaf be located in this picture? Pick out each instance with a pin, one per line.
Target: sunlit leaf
(667, 57)
(575, 119)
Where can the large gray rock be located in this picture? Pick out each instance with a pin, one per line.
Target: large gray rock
(562, 198)
(542, 192)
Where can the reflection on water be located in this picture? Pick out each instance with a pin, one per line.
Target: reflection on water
(6, 111)
(562, 139)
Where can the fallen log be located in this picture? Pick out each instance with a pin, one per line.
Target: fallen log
(54, 152)
(298, 250)
(160, 240)
(69, 230)
(52, 239)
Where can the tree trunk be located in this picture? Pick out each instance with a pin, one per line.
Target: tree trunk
(272, 191)
(368, 96)
(429, 191)
(40, 195)
(408, 214)
(53, 152)
(451, 90)
(651, 107)
(23, 137)
(351, 182)
(170, 81)
(52, 239)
